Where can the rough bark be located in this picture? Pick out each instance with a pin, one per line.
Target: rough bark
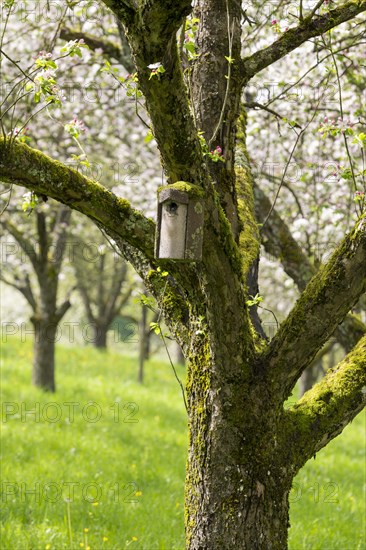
(33, 169)
(216, 100)
(109, 48)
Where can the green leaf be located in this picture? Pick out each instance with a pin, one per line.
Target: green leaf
(255, 300)
(155, 327)
(149, 137)
(229, 59)
(189, 46)
(360, 139)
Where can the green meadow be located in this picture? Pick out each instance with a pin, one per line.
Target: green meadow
(100, 464)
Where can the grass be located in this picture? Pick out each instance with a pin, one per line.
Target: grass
(128, 477)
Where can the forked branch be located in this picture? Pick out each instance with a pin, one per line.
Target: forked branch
(325, 302)
(310, 27)
(328, 407)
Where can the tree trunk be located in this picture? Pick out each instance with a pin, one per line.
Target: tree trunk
(254, 515)
(238, 474)
(238, 480)
(100, 336)
(43, 375)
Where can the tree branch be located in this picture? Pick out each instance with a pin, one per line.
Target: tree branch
(25, 243)
(123, 299)
(322, 306)
(109, 48)
(125, 10)
(255, 105)
(86, 300)
(115, 291)
(23, 287)
(293, 38)
(325, 410)
(130, 229)
(215, 86)
(30, 168)
(43, 242)
(62, 309)
(152, 39)
(280, 244)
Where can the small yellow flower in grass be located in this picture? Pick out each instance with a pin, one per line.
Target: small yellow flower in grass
(105, 539)
(95, 503)
(86, 530)
(134, 539)
(138, 493)
(81, 545)
(88, 548)
(177, 504)
(48, 547)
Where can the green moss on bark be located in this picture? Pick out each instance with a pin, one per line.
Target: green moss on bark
(327, 408)
(198, 392)
(172, 303)
(26, 166)
(249, 239)
(189, 188)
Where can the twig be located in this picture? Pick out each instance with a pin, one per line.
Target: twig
(175, 372)
(8, 201)
(342, 114)
(317, 6)
(256, 105)
(230, 39)
(289, 160)
(301, 17)
(16, 64)
(170, 359)
(270, 311)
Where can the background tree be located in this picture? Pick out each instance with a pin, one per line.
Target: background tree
(77, 86)
(103, 281)
(245, 446)
(34, 267)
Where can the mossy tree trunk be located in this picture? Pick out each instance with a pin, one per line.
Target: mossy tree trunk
(245, 447)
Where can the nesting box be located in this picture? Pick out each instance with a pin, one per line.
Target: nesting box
(180, 222)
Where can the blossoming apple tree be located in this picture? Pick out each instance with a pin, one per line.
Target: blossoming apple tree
(245, 447)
